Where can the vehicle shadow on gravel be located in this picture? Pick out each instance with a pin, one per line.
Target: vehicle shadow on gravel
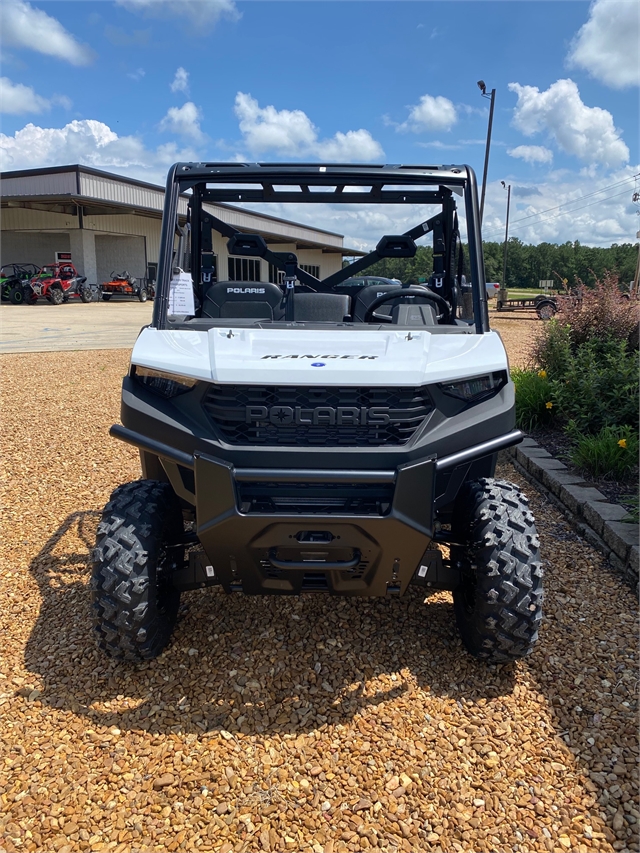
(258, 664)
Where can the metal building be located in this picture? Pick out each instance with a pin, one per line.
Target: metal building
(112, 223)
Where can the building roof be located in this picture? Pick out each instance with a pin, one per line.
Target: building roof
(64, 188)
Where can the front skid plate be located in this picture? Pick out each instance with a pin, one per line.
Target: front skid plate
(240, 546)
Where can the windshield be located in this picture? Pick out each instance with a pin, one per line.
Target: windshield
(275, 257)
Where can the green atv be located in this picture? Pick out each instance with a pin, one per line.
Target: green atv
(15, 281)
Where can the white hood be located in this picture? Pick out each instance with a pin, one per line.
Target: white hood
(318, 357)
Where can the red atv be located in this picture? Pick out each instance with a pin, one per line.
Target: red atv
(58, 282)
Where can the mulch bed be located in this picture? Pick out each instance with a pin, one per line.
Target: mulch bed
(616, 491)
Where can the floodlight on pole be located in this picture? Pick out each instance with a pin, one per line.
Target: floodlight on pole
(483, 91)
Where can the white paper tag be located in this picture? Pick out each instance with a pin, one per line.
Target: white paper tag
(422, 571)
(181, 300)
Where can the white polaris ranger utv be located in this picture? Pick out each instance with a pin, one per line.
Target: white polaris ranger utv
(305, 436)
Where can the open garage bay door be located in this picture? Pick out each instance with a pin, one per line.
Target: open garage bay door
(116, 253)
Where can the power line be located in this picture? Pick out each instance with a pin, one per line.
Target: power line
(574, 210)
(573, 201)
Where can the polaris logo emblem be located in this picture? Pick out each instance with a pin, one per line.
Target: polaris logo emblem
(358, 357)
(245, 290)
(320, 416)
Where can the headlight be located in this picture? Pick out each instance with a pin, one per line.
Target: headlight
(477, 388)
(166, 384)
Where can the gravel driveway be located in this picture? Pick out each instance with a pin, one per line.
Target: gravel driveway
(288, 724)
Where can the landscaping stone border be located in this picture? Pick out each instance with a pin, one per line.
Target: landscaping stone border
(593, 517)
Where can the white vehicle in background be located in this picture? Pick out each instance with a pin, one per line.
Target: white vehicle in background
(492, 289)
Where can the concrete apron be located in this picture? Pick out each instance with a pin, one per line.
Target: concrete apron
(72, 326)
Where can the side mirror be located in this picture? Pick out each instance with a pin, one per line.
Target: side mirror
(400, 246)
(249, 245)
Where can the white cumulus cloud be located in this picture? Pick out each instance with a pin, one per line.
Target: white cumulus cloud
(91, 143)
(531, 153)
(180, 81)
(607, 46)
(24, 26)
(184, 120)
(352, 146)
(587, 133)
(15, 98)
(292, 133)
(201, 14)
(430, 113)
(594, 208)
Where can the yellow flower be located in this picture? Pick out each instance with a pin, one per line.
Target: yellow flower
(622, 442)
(549, 405)
(542, 374)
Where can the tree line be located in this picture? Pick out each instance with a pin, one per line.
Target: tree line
(527, 265)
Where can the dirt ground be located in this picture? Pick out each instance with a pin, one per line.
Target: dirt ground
(288, 724)
(517, 330)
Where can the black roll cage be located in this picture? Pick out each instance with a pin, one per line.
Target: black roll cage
(283, 182)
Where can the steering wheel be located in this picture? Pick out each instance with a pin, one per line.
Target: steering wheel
(390, 295)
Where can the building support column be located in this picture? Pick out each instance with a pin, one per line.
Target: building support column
(83, 253)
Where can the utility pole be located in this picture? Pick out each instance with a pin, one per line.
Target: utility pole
(636, 278)
(492, 96)
(503, 290)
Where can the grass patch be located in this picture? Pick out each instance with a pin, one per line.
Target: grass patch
(612, 453)
(534, 405)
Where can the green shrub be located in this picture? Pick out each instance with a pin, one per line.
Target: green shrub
(534, 406)
(611, 454)
(552, 348)
(599, 387)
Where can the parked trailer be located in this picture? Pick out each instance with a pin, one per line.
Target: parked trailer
(545, 306)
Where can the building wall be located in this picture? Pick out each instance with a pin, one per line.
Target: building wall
(21, 219)
(130, 225)
(328, 261)
(58, 183)
(32, 247)
(117, 190)
(115, 253)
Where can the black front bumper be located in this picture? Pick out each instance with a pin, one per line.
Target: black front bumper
(288, 552)
(286, 531)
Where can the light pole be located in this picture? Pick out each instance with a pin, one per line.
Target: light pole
(492, 96)
(503, 290)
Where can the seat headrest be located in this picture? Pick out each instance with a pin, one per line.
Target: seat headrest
(321, 307)
(365, 297)
(260, 299)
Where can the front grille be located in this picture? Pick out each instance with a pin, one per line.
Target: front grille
(312, 499)
(316, 417)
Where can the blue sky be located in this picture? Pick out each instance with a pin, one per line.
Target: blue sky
(133, 85)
